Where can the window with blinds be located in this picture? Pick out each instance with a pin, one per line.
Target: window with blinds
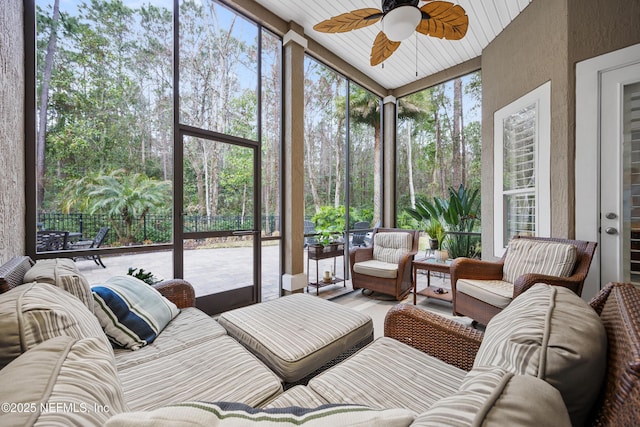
(631, 129)
(522, 175)
(519, 173)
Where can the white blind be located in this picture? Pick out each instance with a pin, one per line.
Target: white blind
(519, 170)
(631, 129)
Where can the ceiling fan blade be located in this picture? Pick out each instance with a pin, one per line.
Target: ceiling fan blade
(443, 20)
(353, 20)
(382, 49)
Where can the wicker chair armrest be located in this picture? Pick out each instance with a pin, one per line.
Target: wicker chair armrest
(361, 254)
(178, 291)
(405, 262)
(469, 268)
(445, 339)
(526, 281)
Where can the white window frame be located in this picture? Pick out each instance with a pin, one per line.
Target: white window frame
(541, 98)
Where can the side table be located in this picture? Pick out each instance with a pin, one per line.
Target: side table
(429, 265)
(318, 252)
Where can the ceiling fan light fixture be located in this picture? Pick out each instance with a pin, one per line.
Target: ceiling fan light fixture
(399, 23)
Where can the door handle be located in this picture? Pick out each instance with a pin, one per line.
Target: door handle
(245, 232)
(611, 230)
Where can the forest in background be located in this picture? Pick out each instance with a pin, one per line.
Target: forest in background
(105, 110)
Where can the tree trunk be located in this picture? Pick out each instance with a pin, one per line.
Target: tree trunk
(377, 167)
(412, 192)
(44, 104)
(443, 186)
(458, 167)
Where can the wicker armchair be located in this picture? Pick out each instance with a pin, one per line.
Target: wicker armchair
(394, 280)
(618, 306)
(482, 311)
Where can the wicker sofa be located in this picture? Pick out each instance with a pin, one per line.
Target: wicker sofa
(421, 373)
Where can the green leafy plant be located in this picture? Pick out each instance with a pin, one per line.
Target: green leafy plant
(328, 235)
(458, 216)
(145, 276)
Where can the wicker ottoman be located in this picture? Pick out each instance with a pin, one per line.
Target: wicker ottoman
(299, 335)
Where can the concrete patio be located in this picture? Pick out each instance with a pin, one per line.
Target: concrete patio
(211, 270)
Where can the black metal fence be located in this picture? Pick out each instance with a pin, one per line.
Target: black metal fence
(153, 228)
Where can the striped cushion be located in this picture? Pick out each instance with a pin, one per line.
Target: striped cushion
(238, 415)
(323, 330)
(491, 396)
(377, 268)
(187, 329)
(216, 370)
(389, 374)
(533, 256)
(299, 395)
(74, 380)
(551, 333)
(64, 273)
(131, 312)
(390, 247)
(498, 293)
(35, 312)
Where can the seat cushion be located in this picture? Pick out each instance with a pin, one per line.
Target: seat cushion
(238, 415)
(71, 382)
(550, 333)
(297, 334)
(389, 374)
(63, 273)
(131, 312)
(215, 370)
(534, 256)
(391, 246)
(376, 268)
(299, 395)
(491, 396)
(35, 312)
(187, 329)
(498, 293)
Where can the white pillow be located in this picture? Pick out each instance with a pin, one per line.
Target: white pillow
(131, 312)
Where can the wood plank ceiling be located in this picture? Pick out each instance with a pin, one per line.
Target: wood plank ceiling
(418, 54)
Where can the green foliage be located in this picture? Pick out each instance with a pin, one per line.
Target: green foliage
(120, 195)
(145, 276)
(330, 217)
(458, 214)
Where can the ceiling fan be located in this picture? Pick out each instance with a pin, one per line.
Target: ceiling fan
(400, 18)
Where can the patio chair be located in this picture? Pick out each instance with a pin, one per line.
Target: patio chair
(481, 289)
(309, 228)
(358, 237)
(92, 244)
(385, 266)
(50, 240)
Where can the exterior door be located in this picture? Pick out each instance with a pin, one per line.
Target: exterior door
(620, 175)
(220, 251)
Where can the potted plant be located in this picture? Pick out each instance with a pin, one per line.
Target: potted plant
(436, 233)
(145, 276)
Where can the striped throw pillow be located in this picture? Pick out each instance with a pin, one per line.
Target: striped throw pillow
(491, 396)
(131, 312)
(63, 273)
(36, 312)
(551, 333)
(70, 382)
(230, 414)
(532, 256)
(390, 247)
